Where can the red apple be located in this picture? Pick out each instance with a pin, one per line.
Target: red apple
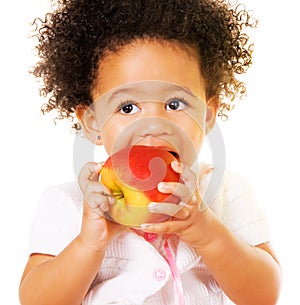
(132, 175)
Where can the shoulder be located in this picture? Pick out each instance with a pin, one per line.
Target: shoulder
(57, 219)
(63, 193)
(63, 201)
(219, 183)
(231, 197)
(236, 185)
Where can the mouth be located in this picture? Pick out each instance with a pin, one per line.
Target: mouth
(174, 153)
(169, 148)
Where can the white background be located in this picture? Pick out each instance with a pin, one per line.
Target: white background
(261, 136)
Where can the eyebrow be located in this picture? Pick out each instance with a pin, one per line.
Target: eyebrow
(123, 91)
(187, 90)
(137, 89)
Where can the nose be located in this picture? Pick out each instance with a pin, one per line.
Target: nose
(154, 126)
(155, 121)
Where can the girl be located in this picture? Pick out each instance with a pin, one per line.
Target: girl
(152, 73)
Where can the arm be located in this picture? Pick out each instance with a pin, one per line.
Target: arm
(248, 275)
(66, 278)
(63, 279)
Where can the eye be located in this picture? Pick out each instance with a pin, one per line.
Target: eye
(128, 108)
(176, 103)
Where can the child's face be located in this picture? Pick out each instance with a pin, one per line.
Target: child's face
(166, 76)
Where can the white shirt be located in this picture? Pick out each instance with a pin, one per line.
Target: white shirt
(134, 271)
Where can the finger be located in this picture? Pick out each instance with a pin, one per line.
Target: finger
(178, 189)
(164, 208)
(94, 186)
(167, 227)
(100, 190)
(97, 202)
(90, 171)
(187, 175)
(180, 211)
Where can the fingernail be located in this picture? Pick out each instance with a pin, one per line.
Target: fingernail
(98, 166)
(145, 225)
(152, 204)
(163, 187)
(177, 166)
(111, 200)
(152, 207)
(103, 207)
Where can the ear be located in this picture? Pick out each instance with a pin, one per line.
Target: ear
(211, 113)
(88, 123)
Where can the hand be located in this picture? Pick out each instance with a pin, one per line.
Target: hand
(191, 220)
(96, 230)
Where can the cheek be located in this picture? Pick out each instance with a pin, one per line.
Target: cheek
(109, 136)
(113, 135)
(199, 135)
(193, 126)
(190, 141)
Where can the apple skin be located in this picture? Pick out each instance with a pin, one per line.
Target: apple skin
(132, 175)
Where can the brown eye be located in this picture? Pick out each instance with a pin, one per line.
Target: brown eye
(176, 104)
(128, 108)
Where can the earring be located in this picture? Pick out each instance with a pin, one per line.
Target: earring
(98, 137)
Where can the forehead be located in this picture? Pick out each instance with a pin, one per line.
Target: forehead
(150, 60)
(144, 91)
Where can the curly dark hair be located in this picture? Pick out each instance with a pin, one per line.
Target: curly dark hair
(75, 36)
